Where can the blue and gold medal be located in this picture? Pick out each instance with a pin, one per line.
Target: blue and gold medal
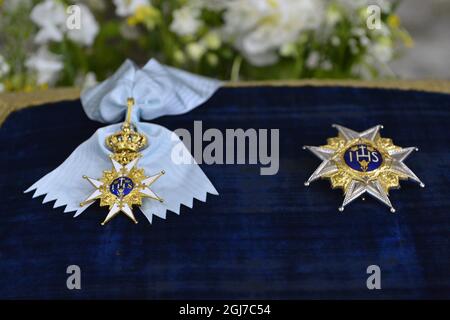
(362, 162)
(125, 185)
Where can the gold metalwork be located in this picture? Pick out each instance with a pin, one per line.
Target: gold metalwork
(360, 179)
(345, 174)
(125, 145)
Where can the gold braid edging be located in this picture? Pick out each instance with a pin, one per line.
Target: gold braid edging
(437, 86)
(10, 102)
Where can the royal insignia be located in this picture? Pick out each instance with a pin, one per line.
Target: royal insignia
(362, 162)
(125, 185)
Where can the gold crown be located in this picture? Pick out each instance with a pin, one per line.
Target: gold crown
(127, 140)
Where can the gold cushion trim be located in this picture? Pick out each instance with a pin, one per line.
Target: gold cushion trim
(10, 102)
(439, 86)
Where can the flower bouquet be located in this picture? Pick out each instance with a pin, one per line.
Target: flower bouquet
(66, 43)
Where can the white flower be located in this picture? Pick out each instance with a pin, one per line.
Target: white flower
(335, 41)
(288, 50)
(383, 51)
(359, 32)
(259, 28)
(385, 5)
(4, 66)
(364, 40)
(332, 15)
(356, 10)
(383, 31)
(46, 65)
(212, 40)
(88, 30)
(186, 21)
(50, 16)
(195, 51)
(313, 60)
(362, 69)
(125, 8)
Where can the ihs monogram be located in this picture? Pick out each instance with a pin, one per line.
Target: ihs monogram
(126, 184)
(363, 155)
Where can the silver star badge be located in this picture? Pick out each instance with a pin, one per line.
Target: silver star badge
(362, 162)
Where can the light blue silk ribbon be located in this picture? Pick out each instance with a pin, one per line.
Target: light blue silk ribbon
(158, 90)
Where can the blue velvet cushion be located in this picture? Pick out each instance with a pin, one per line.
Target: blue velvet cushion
(264, 236)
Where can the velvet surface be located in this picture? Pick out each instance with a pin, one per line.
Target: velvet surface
(263, 236)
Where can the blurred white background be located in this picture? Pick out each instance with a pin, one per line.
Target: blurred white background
(428, 22)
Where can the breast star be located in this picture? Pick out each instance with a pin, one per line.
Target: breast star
(362, 162)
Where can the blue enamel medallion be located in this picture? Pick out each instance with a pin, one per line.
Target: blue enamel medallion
(121, 186)
(363, 158)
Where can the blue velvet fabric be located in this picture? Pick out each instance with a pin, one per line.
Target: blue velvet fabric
(264, 236)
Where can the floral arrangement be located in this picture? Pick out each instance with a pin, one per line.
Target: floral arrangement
(226, 39)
